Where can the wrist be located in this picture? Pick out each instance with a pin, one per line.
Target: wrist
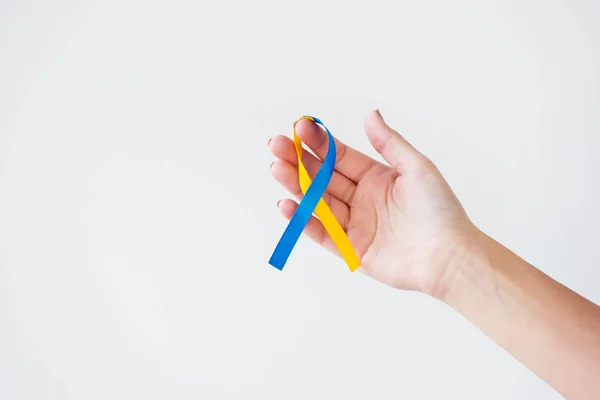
(457, 270)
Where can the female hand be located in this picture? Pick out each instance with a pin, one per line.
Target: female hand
(404, 221)
(411, 232)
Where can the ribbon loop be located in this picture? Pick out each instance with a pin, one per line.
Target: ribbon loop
(313, 202)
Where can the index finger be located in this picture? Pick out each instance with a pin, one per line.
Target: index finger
(349, 162)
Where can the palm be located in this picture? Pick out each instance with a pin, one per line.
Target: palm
(399, 223)
(368, 226)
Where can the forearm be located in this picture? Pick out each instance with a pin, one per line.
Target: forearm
(549, 328)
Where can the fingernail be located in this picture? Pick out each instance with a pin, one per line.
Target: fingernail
(278, 201)
(269, 141)
(271, 166)
(378, 113)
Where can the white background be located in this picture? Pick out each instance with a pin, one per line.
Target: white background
(137, 211)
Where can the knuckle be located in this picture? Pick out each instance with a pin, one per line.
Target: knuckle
(348, 193)
(424, 165)
(341, 152)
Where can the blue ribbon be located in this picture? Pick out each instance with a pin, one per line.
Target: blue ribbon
(307, 206)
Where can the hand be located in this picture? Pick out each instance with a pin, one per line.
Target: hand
(404, 221)
(411, 232)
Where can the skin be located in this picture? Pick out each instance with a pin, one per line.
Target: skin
(411, 232)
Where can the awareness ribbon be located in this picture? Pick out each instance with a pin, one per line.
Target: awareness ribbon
(313, 202)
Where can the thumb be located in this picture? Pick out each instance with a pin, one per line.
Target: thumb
(389, 143)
